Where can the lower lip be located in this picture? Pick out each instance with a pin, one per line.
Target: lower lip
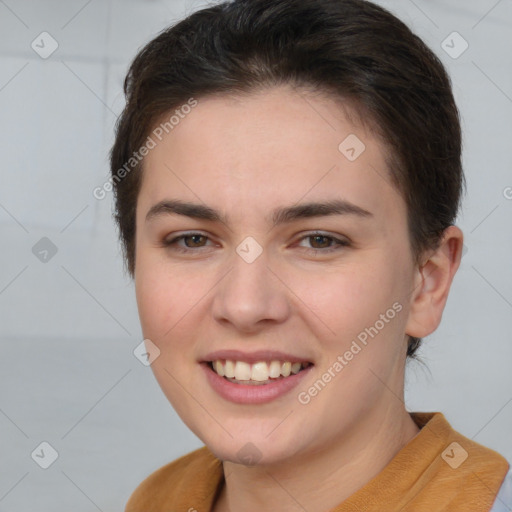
(258, 394)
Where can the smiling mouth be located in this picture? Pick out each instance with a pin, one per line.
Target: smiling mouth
(261, 372)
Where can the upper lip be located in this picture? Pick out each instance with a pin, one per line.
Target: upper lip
(253, 357)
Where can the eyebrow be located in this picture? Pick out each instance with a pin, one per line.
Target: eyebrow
(281, 215)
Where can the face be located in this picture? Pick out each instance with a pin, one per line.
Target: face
(253, 279)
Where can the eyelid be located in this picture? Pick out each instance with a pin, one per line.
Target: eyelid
(327, 234)
(339, 241)
(179, 235)
(170, 241)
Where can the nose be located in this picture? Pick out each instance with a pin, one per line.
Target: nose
(251, 295)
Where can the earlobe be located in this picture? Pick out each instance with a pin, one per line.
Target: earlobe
(432, 284)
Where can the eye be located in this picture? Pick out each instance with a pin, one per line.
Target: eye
(323, 243)
(191, 240)
(195, 242)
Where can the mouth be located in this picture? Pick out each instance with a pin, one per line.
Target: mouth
(258, 373)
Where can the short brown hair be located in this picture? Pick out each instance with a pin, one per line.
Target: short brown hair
(352, 49)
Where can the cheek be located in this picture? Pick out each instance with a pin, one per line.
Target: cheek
(167, 297)
(156, 300)
(346, 300)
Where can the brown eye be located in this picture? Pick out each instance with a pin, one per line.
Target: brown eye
(320, 243)
(196, 240)
(320, 240)
(187, 242)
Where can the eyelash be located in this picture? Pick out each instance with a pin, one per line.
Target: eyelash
(340, 243)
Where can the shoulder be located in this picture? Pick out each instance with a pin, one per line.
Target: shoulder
(503, 501)
(196, 473)
(483, 473)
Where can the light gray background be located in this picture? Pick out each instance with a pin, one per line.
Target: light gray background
(68, 326)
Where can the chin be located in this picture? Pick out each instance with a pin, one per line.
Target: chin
(252, 449)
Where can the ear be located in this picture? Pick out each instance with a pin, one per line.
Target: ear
(432, 283)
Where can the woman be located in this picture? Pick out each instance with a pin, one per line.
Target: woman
(287, 175)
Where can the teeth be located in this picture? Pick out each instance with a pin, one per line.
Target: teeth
(295, 368)
(217, 365)
(275, 369)
(259, 372)
(242, 371)
(229, 369)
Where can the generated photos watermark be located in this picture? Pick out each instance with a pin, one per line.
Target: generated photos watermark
(305, 397)
(151, 142)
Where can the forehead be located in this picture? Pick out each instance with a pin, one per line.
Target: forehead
(265, 149)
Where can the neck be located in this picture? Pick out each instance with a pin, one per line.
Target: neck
(321, 480)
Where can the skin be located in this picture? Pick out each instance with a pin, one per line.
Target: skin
(245, 157)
